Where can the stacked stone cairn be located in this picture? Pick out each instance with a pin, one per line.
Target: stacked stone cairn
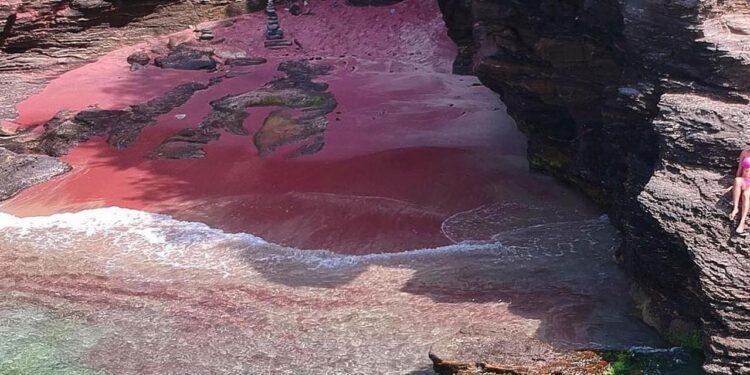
(274, 34)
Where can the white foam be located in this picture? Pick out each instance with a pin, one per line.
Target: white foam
(187, 244)
(161, 237)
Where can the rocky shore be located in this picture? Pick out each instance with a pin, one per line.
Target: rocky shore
(642, 105)
(40, 39)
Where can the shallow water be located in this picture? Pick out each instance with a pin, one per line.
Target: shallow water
(157, 295)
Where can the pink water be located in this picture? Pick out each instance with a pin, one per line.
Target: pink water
(418, 220)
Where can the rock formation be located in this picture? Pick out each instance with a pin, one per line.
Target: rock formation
(84, 29)
(19, 171)
(120, 127)
(41, 38)
(300, 120)
(642, 105)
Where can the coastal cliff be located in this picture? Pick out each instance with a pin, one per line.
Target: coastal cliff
(643, 106)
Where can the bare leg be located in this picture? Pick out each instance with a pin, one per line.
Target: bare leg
(739, 183)
(745, 209)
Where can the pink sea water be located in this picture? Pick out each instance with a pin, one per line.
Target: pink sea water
(419, 218)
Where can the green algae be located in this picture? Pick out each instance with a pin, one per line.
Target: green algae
(38, 342)
(689, 340)
(675, 361)
(620, 366)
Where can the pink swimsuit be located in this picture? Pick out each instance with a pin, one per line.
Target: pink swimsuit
(745, 165)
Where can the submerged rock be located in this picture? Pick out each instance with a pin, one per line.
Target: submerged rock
(186, 144)
(121, 127)
(303, 121)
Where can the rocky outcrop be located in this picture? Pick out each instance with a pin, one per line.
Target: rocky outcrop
(301, 120)
(120, 127)
(644, 106)
(42, 38)
(44, 33)
(19, 171)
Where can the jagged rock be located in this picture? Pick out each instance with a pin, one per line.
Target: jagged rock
(186, 58)
(51, 35)
(140, 58)
(20, 171)
(644, 106)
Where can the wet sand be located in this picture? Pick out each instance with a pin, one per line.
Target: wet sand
(417, 228)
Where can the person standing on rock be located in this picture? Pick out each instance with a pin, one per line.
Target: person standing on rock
(741, 189)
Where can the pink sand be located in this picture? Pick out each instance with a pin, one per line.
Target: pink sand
(408, 146)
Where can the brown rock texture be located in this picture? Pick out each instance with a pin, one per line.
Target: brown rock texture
(19, 171)
(644, 106)
(42, 38)
(43, 33)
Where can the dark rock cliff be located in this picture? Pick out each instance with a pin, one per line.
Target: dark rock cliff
(643, 105)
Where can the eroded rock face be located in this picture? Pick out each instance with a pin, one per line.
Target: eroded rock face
(643, 105)
(42, 38)
(42, 33)
(19, 171)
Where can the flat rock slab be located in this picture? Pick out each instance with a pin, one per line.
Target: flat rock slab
(186, 59)
(245, 61)
(20, 171)
(510, 351)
